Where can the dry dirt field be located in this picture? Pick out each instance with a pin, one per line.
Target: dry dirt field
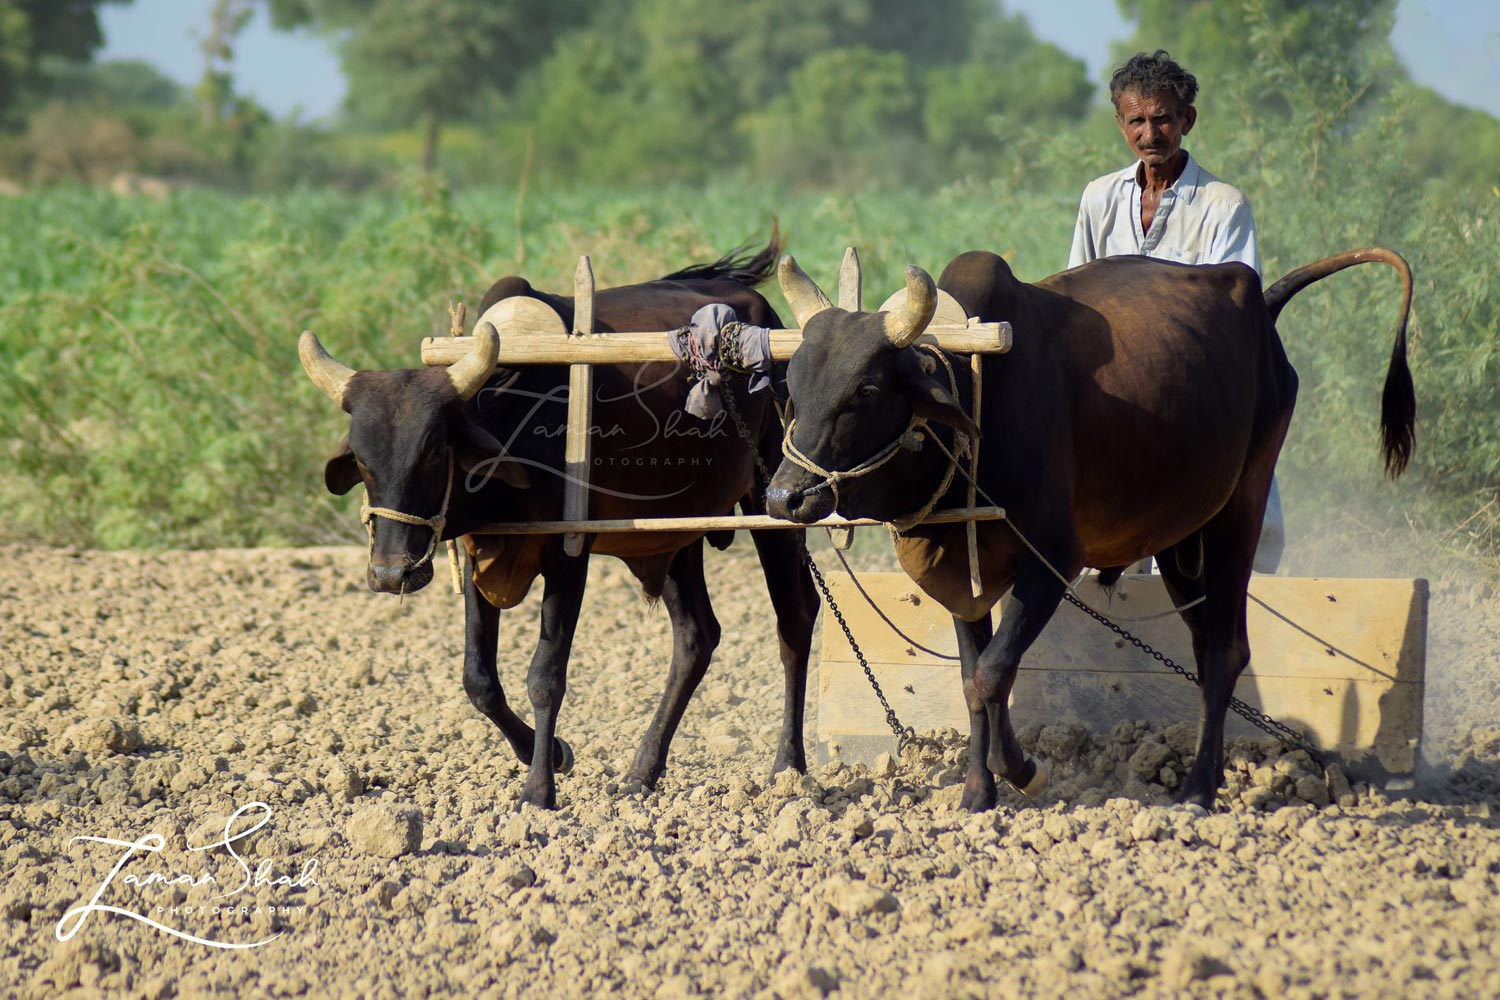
(159, 693)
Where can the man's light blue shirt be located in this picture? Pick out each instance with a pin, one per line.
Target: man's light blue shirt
(1201, 220)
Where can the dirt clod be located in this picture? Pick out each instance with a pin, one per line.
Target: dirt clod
(386, 831)
(400, 862)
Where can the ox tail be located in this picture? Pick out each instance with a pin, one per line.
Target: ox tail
(738, 264)
(1398, 401)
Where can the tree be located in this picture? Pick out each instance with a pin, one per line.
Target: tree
(1272, 54)
(215, 91)
(37, 33)
(117, 83)
(844, 113)
(682, 88)
(1012, 81)
(431, 61)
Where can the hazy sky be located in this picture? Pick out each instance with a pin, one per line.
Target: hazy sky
(1452, 46)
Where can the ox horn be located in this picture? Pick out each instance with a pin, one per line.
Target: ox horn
(904, 327)
(326, 373)
(470, 374)
(802, 293)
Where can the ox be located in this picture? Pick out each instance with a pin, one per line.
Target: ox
(1140, 413)
(442, 452)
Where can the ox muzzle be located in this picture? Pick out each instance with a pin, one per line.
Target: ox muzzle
(798, 495)
(393, 569)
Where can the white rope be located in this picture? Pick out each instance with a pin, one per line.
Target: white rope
(910, 440)
(961, 447)
(368, 514)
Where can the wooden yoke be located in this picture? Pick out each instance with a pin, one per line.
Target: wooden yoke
(529, 337)
(580, 410)
(532, 333)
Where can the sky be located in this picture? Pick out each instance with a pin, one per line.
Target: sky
(1452, 46)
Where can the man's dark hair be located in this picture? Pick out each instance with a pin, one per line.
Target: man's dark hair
(1152, 76)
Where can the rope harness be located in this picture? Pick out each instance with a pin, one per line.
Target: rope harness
(368, 514)
(911, 439)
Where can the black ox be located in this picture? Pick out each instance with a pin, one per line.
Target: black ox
(1140, 413)
(443, 451)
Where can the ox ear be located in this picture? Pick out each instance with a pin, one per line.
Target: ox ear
(479, 453)
(930, 399)
(340, 473)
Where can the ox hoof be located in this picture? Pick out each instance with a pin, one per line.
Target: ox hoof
(540, 799)
(562, 756)
(1193, 805)
(642, 779)
(1034, 778)
(979, 793)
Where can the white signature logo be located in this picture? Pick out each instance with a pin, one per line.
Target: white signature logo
(153, 843)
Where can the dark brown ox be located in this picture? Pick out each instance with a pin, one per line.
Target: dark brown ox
(488, 444)
(1139, 413)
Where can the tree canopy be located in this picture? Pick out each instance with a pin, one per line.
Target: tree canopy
(431, 61)
(35, 35)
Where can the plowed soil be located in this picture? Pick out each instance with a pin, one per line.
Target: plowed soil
(161, 693)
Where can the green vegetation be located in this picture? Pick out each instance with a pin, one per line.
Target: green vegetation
(150, 393)
(149, 388)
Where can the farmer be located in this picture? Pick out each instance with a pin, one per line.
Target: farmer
(1165, 205)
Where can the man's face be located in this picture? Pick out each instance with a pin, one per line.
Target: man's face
(1154, 126)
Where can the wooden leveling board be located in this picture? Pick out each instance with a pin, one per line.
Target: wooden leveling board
(1342, 660)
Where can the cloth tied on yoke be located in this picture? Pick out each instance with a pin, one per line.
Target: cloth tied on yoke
(716, 342)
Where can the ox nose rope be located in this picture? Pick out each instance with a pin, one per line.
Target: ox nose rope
(909, 440)
(368, 514)
(917, 431)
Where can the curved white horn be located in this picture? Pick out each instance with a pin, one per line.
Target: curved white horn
(802, 293)
(904, 327)
(470, 374)
(326, 373)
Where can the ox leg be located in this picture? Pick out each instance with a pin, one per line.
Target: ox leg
(979, 782)
(547, 680)
(1024, 612)
(1221, 642)
(695, 635)
(795, 602)
(481, 679)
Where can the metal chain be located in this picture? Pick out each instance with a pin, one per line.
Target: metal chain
(1279, 730)
(904, 734)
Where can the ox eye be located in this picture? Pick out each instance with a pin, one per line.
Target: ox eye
(867, 389)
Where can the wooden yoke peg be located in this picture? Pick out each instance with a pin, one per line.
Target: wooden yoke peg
(580, 410)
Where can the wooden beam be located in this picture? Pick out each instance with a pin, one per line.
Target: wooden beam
(529, 337)
(576, 449)
(976, 388)
(754, 522)
(1341, 660)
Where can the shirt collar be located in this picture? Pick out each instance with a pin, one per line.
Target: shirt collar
(1186, 185)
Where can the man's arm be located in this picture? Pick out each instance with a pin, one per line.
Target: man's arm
(1084, 249)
